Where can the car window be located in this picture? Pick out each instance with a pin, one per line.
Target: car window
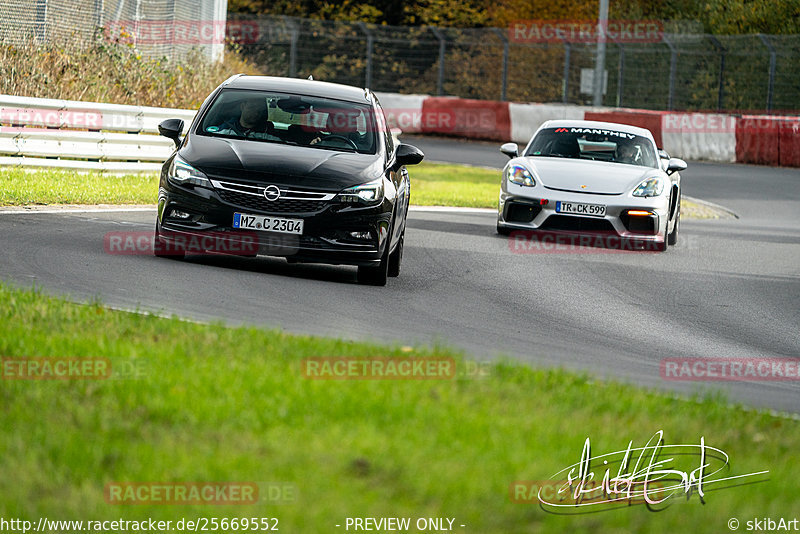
(387, 132)
(291, 119)
(594, 144)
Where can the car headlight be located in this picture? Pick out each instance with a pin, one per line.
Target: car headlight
(651, 187)
(519, 175)
(182, 173)
(367, 194)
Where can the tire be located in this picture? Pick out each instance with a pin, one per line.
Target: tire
(502, 230)
(375, 275)
(160, 249)
(672, 238)
(396, 257)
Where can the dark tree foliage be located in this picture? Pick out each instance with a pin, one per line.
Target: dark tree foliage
(723, 17)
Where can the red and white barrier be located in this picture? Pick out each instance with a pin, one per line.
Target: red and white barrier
(700, 136)
(466, 118)
(403, 111)
(650, 120)
(764, 140)
(758, 139)
(526, 118)
(768, 140)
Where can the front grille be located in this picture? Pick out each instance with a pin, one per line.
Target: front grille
(582, 191)
(576, 224)
(281, 205)
(251, 196)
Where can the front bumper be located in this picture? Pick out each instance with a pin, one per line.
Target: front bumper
(188, 214)
(522, 208)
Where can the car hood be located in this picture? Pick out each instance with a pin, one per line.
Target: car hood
(280, 164)
(587, 176)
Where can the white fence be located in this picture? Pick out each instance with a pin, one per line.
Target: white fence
(86, 136)
(68, 134)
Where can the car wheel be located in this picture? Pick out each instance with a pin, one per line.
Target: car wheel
(163, 250)
(502, 230)
(396, 257)
(375, 275)
(673, 235)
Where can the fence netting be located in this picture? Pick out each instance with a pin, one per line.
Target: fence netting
(157, 28)
(677, 71)
(674, 71)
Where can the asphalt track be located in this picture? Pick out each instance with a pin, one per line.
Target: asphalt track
(731, 289)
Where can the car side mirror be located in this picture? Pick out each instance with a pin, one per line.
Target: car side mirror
(676, 165)
(172, 129)
(510, 149)
(408, 155)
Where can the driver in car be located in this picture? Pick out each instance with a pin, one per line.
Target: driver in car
(252, 121)
(340, 127)
(627, 153)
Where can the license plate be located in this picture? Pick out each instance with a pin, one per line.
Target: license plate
(594, 210)
(268, 224)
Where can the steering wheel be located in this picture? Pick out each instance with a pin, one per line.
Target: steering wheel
(343, 138)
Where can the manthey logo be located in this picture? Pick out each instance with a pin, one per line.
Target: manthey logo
(596, 131)
(600, 131)
(272, 193)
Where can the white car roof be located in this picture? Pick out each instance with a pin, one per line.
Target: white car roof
(626, 128)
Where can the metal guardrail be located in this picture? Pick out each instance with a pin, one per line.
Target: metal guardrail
(68, 134)
(86, 136)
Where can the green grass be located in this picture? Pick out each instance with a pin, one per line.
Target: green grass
(433, 184)
(440, 184)
(216, 403)
(19, 187)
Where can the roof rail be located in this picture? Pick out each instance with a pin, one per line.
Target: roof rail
(229, 80)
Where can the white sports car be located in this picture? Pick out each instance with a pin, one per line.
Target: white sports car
(596, 178)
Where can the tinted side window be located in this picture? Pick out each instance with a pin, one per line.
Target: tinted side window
(387, 134)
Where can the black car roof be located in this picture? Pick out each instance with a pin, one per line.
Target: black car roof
(300, 86)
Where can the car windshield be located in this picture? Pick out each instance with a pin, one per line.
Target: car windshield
(308, 121)
(595, 144)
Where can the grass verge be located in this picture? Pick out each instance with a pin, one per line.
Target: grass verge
(19, 187)
(433, 184)
(215, 403)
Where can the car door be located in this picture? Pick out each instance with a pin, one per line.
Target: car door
(398, 177)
